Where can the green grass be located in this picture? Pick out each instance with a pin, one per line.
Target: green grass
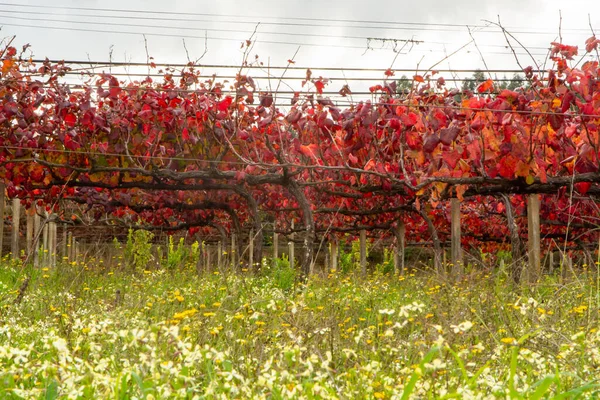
(180, 335)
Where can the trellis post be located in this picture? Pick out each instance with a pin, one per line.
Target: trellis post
(219, 255)
(2, 201)
(64, 244)
(30, 229)
(208, 251)
(363, 251)
(251, 249)
(77, 251)
(291, 247)
(233, 255)
(69, 253)
(275, 246)
(533, 226)
(52, 241)
(73, 250)
(37, 231)
(400, 247)
(456, 253)
(16, 220)
(334, 254)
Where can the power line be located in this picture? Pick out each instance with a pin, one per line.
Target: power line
(367, 47)
(187, 36)
(280, 94)
(232, 15)
(218, 30)
(100, 64)
(286, 24)
(240, 22)
(262, 17)
(289, 78)
(369, 40)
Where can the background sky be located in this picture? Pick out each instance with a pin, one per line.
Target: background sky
(328, 33)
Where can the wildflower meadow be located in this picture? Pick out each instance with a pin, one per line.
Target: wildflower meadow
(87, 332)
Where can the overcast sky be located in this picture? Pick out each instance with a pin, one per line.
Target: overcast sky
(331, 33)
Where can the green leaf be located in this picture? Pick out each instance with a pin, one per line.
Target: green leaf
(543, 386)
(52, 391)
(514, 394)
(575, 393)
(417, 373)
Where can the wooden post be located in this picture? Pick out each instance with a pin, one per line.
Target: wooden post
(30, 232)
(72, 255)
(36, 240)
(291, 253)
(533, 226)
(334, 254)
(456, 252)
(233, 255)
(400, 247)
(219, 255)
(363, 251)
(50, 243)
(16, 218)
(251, 249)
(275, 246)
(78, 251)
(551, 262)
(45, 245)
(69, 253)
(2, 201)
(64, 245)
(208, 250)
(291, 247)
(53, 244)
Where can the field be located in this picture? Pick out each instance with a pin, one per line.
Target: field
(82, 332)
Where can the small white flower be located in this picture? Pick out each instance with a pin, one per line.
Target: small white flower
(60, 344)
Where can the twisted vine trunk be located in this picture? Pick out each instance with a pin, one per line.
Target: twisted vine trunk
(309, 226)
(517, 248)
(437, 247)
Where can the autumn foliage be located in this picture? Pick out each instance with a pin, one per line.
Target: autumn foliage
(191, 154)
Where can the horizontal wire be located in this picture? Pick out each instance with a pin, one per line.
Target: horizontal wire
(189, 36)
(231, 15)
(291, 78)
(223, 92)
(217, 30)
(374, 22)
(101, 64)
(286, 24)
(367, 46)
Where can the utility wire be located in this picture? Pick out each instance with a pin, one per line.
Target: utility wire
(285, 24)
(188, 36)
(263, 17)
(370, 40)
(368, 46)
(103, 64)
(218, 30)
(289, 78)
